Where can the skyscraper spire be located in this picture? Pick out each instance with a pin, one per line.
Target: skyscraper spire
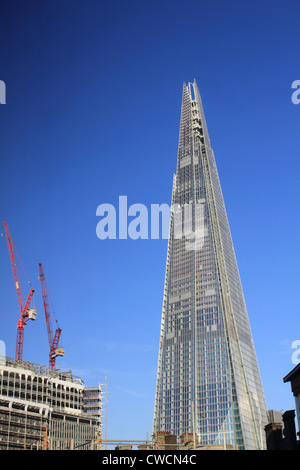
(208, 380)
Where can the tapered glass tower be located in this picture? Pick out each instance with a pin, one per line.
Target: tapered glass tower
(208, 381)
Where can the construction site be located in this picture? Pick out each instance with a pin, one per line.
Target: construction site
(43, 407)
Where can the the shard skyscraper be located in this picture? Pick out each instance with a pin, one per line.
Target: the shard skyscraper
(208, 381)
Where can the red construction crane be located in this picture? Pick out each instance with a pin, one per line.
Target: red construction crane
(53, 341)
(26, 313)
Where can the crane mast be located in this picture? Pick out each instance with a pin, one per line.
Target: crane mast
(53, 340)
(26, 313)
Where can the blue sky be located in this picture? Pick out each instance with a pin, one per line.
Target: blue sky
(93, 97)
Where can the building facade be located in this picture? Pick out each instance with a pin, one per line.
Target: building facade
(43, 409)
(208, 381)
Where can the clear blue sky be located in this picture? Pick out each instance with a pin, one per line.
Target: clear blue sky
(93, 108)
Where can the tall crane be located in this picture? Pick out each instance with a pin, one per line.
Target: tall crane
(26, 313)
(53, 340)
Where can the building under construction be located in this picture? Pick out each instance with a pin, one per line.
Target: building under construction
(42, 408)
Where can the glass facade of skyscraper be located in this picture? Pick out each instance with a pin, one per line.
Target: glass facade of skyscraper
(208, 380)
